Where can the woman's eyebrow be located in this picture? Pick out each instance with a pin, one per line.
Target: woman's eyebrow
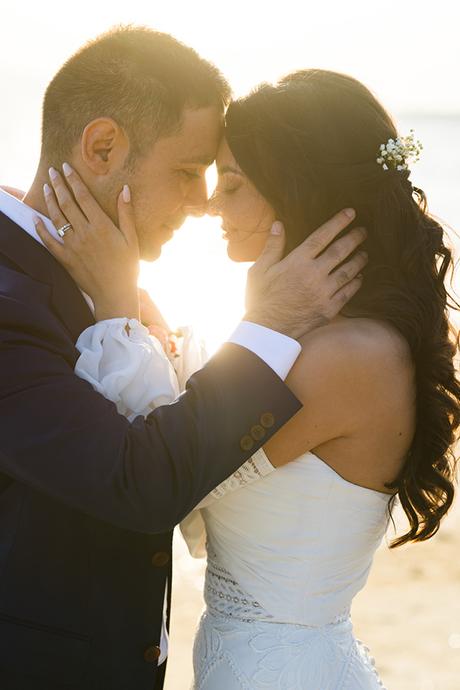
(228, 169)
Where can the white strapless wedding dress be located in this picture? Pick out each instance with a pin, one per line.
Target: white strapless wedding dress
(286, 556)
(287, 549)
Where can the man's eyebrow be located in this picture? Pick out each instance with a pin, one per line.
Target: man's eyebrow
(228, 169)
(198, 160)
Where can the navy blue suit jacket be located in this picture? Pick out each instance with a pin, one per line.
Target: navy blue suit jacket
(88, 501)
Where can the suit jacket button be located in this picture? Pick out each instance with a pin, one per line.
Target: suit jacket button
(267, 420)
(160, 559)
(246, 443)
(152, 654)
(258, 432)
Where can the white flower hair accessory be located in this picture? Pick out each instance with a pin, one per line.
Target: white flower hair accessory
(396, 153)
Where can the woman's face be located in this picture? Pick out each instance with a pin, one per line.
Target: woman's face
(247, 217)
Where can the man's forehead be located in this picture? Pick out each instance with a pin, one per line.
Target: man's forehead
(195, 151)
(199, 159)
(200, 136)
(198, 139)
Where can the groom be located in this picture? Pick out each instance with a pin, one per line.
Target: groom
(88, 501)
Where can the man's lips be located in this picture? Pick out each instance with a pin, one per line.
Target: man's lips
(227, 232)
(170, 229)
(174, 225)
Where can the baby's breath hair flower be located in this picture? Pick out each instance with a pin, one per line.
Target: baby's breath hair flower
(397, 153)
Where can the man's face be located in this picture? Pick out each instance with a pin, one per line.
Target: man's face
(169, 182)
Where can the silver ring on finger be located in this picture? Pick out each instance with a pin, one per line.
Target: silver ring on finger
(64, 229)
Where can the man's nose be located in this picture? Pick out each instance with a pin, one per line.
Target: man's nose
(197, 200)
(212, 207)
(196, 210)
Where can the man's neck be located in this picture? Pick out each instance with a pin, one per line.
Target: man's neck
(35, 197)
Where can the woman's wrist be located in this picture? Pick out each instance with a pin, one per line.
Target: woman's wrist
(125, 305)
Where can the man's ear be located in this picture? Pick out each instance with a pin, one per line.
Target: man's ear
(104, 146)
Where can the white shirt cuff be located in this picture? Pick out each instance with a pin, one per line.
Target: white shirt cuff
(275, 349)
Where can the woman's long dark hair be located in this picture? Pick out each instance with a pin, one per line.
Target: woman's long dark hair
(309, 145)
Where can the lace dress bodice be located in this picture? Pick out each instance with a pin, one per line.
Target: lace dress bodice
(300, 541)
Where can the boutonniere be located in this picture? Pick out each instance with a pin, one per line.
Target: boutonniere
(170, 341)
(174, 344)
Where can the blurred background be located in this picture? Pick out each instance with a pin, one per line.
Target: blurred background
(408, 53)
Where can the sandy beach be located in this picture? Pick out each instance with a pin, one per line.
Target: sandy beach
(409, 613)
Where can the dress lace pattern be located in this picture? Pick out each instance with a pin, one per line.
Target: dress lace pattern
(231, 654)
(239, 646)
(255, 468)
(224, 595)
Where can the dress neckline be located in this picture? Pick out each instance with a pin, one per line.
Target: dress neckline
(381, 494)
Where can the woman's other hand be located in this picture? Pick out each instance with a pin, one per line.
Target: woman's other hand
(150, 314)
(102, 258)
(154, 320)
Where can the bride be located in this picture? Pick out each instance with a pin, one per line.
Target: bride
(290, 538)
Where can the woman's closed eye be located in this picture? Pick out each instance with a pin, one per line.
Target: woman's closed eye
(228, 182)
(227, 190)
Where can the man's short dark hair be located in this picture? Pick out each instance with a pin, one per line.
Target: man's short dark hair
(141, 78)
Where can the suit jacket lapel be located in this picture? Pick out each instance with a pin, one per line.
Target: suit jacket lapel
(36, 261)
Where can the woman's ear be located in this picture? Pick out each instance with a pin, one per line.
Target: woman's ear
(104, 145)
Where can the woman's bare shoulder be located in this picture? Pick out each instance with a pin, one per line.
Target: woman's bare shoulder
(355, 381)
(358, 341)
(362, 356)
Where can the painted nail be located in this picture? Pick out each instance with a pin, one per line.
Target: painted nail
(66, 169)
(36, 221)
(277, 228)
(47, 189)
(126, 194)
(53, 174)
(350, 212)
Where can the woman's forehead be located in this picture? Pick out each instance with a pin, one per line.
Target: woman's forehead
(225, 159)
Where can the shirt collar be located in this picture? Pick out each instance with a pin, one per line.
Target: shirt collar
(23, 216)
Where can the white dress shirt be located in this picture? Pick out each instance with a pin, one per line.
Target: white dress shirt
(275, 349)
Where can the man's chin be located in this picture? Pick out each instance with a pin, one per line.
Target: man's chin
(151, 253)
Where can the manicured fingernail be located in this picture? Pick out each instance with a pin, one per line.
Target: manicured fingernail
(36, 221)
(277, 228)
(47, 189)
(126, 194)
(53, 174)
(66, 169)
(350, 212)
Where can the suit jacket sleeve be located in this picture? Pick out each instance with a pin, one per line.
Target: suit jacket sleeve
(62, 438)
